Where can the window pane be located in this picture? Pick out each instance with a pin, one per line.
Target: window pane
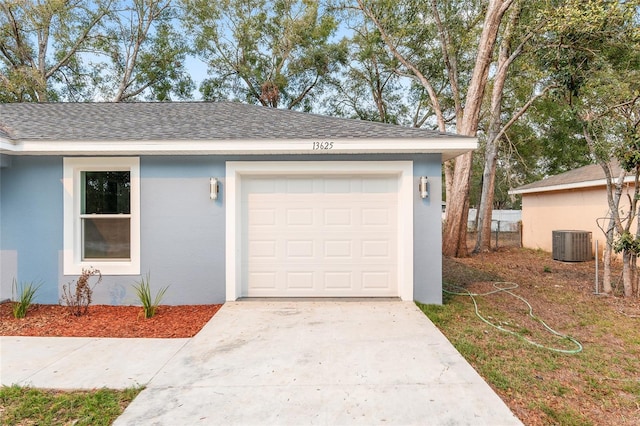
(106, 192)
(106, 238)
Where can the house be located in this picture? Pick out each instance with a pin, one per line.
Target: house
(574, 200)
(219, 201)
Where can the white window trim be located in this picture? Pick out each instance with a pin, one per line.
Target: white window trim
(235, 171)
(72, 169)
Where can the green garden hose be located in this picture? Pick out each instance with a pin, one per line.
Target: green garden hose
(506, 287)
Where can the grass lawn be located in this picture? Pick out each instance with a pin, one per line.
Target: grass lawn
(26, 406)
(546, 379)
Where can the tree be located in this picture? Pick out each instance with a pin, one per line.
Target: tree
(145, 53)
(508, 53)
(369, 87)
(274, 54)
(595, 55)
(40, 42)
(460, 31)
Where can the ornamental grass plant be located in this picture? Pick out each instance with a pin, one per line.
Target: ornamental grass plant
(149, 303)
(23, 297)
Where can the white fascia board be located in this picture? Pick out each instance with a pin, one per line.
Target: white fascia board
(566, 186)
(6, 145)
(447, 146)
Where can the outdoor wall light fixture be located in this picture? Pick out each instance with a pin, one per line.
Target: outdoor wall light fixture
(214, 188)
(422, 187)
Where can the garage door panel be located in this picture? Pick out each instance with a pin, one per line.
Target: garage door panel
(376, 280)
(339, 185)
(262, 217)
(262, 249)
(338, 280)
(297, 216)
(262, 280)
(338, 249)
(376, 249)
(376, 217)
(379, 185)
(299, 185)
(320, 236)
(337, 217)
(296, 249)
(300, 280)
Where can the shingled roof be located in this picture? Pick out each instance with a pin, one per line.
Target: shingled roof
(203, 128)
(185, 120)
(587, 176)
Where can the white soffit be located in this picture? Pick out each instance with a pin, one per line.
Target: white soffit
(449, 147)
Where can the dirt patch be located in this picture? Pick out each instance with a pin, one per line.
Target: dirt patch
(106, 321)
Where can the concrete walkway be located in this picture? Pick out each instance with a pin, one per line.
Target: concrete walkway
(70, 363)
(281, 362)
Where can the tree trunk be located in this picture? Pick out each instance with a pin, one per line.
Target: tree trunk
(634, 272)
(454, 242)
(485, 210)
(448, 180)
(627, 273)
(455, 232)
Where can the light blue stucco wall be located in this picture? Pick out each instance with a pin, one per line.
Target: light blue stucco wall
(427, 232)
(31, 224)
(182, 230)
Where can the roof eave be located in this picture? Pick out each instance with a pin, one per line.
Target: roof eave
(565, 187)
(6, 145)
(447, 146)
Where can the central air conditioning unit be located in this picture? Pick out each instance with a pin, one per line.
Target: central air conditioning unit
(572, 246)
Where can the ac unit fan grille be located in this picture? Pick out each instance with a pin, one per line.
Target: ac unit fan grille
(572, 246)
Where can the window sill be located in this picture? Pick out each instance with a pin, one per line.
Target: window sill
(105, 268)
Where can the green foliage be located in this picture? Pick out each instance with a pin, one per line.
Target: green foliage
(23, 297)
(629, 154)
(277, 53)
(141, 54)
(41, 42)
(78, 297)
(627, 243)
(48, 407)
(369, 87)
(149, 303)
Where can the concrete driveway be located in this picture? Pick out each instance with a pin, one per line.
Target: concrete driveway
(318, 363)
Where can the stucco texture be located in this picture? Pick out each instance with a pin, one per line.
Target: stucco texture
(577, 209)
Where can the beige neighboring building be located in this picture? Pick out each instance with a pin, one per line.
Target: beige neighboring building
(574, 200)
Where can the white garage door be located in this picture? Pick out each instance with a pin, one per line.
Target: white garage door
(314, 236)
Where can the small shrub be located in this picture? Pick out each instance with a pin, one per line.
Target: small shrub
(149, 303)
(78, 299)
(546, 269)
(23, 297)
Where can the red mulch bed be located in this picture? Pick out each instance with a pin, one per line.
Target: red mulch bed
(106, 321)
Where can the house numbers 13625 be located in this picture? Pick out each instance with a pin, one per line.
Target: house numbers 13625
(322, 145)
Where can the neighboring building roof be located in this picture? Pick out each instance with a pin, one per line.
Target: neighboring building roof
(58, 127)
(583, 177)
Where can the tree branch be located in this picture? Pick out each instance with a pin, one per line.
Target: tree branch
(523, 109)
(450, 63)
(85, 34)
(435, 103)
(304, 93)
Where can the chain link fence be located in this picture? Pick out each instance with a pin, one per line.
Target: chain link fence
(506, 228)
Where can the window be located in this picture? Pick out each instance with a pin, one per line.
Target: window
(102, 215)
